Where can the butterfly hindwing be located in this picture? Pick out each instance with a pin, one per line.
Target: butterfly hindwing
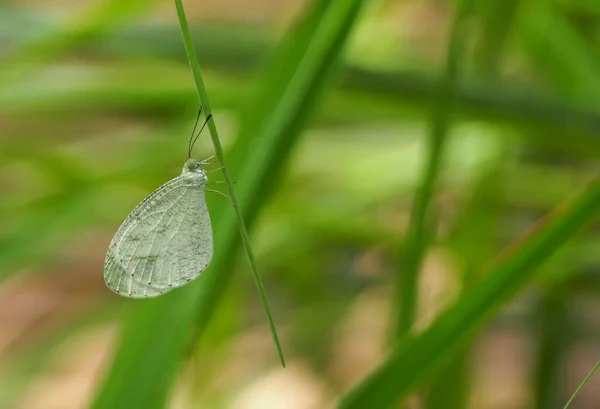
(163, 244)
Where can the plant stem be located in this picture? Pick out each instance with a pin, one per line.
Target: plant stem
(582, 384)
(193, 59)
(417, 236)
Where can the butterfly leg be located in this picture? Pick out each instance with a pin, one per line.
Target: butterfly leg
(207, 160)
(221, 193)
(219, 182)
(215, 170)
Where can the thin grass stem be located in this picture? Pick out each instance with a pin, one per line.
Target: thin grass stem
(581, 385)
(418, 236)
(193, 59)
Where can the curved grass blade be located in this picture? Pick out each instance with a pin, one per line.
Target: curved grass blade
(415, 358)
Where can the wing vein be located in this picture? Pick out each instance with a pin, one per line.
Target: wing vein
(131, 223)
(167, 246)
(150, 231)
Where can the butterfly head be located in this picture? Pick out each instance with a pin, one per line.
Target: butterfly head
(192, 165)
(193, 170)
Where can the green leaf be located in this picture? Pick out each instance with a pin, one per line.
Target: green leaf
(415, 358)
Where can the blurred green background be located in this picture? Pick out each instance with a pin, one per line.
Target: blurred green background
(371, 142)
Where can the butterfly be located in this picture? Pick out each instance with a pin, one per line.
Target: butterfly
(167, 240)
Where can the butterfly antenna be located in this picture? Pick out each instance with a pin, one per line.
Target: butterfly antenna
(198, 134)
(193, 131)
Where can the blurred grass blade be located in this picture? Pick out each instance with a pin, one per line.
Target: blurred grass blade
(581, 385)
(291, 86)
(415, 358)
(473, 241)
(155, 336)
(497, 17)
(554, 338)
(451, 387)
(204, 102)
(45, 227)
(68, 34)
(562, 53)
(417, 234)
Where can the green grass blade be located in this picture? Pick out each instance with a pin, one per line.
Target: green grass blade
(47, 225)
(554, 339)
(565, 57)
(417, 234)
(473, 241)
(291, 86)
(581, 385)
(450, 388)
(415, 358)
(496, 19)
(156, 335)
(191, 52)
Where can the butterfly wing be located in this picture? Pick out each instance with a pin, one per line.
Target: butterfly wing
(163, 244)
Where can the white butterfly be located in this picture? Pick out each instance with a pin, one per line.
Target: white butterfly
(166, 241)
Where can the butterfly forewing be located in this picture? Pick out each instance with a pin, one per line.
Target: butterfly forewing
(163, 244)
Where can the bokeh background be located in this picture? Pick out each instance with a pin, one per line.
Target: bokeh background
(97, 102)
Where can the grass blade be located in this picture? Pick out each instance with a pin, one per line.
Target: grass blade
(417, 235)
(554, 338)
(414, 358)
(554, 42)
(497, 18)
(292, 84)
(191, 52)
(581, 385)
(143, 371)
